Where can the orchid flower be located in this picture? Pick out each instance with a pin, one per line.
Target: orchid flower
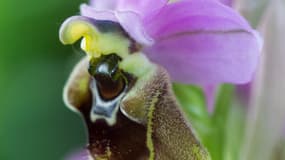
(197, 41)
(135, 50)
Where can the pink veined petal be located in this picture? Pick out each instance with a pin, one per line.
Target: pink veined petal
(210, 96)
(192, 15)
(141, 7)
(103, 4)
(203, 42)
(208, 57)
(130, 21)
(90, 12)
(227, 2)
(132, 24)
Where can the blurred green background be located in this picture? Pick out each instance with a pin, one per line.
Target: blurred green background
(34, 122)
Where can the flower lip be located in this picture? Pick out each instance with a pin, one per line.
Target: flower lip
(104, 109)
(109, 85)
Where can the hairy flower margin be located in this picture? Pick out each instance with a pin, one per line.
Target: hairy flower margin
(197, 41)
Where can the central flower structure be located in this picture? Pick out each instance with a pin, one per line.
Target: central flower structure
(197, 41)
(122, 88)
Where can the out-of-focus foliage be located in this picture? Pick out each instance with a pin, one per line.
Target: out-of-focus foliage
(253, 10)
(266, 118)
(34, 122)
(221, 131)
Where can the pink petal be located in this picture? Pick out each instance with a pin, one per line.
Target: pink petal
(130, 21)
(89, 11)
(203, 42)
(210, 95)
(190, 15)
(141, 7)
(227, 2)
(132, 24)
(104, 4)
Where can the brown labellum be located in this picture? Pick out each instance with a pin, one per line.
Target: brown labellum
(148, 122)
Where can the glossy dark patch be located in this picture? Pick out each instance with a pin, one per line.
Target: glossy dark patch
(109, 78)
(126, 139)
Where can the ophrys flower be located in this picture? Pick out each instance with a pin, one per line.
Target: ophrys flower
(197, 41)
(125, 96)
